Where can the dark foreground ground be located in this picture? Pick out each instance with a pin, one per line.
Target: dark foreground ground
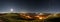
(10, 17)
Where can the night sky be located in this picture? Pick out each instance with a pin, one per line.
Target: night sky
(30, 5)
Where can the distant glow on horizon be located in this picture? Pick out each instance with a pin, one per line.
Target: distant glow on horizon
(41, 14)
(23, 12)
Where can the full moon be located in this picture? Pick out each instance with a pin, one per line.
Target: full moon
(11, 10)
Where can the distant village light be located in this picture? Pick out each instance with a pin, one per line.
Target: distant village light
(28, 16)
(37, 16)
(40, 17)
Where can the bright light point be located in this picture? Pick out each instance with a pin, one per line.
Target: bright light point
(40, 18)
(11, 10)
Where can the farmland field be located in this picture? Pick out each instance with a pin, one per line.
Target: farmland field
(17, 17)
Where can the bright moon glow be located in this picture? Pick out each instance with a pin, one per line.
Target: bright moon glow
(11, 10)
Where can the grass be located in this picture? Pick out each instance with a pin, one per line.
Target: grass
(13, 17)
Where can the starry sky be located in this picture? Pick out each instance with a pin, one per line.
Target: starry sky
(30, 5)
